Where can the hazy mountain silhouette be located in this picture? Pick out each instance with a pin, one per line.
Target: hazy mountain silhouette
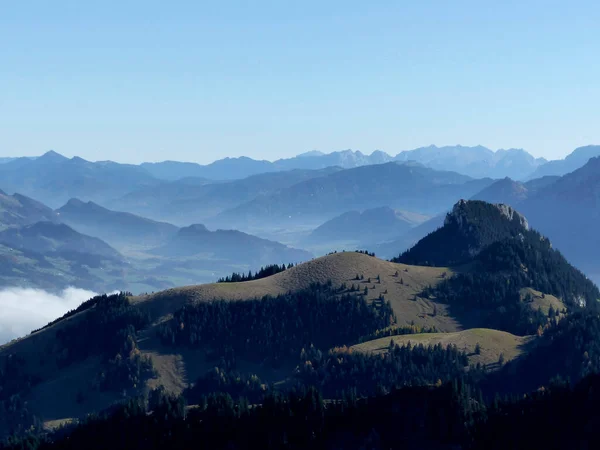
(19, 210)
(568, 212)
(409, 187)
(229, 245)
(222, 169)
(371, 225)
(578, 158)
(477, 162)
(188, 200)
(49, 237)
(113, 226)
(54, 179)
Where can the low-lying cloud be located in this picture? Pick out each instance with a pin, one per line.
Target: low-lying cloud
(23, 310)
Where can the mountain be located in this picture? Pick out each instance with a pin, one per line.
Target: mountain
(506, 191)
(405, 186)
(500, 262)
(223, 169)
(243, 167)
(469, 228)
(191, 199)
(563, 208)
(567, 211)
(112, 226)
(313, 330)
(55, 238)
(371, 225)
(477, 162)
(54, 179)
(230, 245)
(578, 158)
(346, 159)
(6, 159)
(53, 256)
(503, 191)
(19, 210)
(512, 192)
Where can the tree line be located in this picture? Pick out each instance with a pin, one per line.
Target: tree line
(274, 329)
(263, 272)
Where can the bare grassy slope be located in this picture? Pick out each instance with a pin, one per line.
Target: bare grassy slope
(492, 343)
(401, 290)
(542, 301)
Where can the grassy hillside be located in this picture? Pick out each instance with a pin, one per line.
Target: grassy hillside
(492, 344)
(402, 289)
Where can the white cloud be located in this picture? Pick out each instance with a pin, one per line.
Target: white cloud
(23, 310)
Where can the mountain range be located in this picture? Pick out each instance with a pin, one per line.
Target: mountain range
(54, 179)
(494, 296)
(579, 157)
(86, 245)
(406, 186)
(192, 199)
(477, 162)
(314, 209)
(178, 188)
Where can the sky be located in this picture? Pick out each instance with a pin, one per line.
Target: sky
(151, 80)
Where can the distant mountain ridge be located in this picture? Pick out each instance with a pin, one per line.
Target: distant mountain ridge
(124, 227)
(49, 237)
(568, 212)
(578, 158)
(366, 226)
(513, 192)
(406, 186)
(19, 210)
(477, 162)
(229, 245)
(189, 200)
(54, 179)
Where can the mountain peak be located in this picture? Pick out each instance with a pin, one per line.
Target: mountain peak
(312, 153)
(52, 156)
(75, 202)
(469, 228)
(586, 152)
(193, 230)
(466, 212)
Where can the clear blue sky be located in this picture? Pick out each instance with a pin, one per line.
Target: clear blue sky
(199, 80)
